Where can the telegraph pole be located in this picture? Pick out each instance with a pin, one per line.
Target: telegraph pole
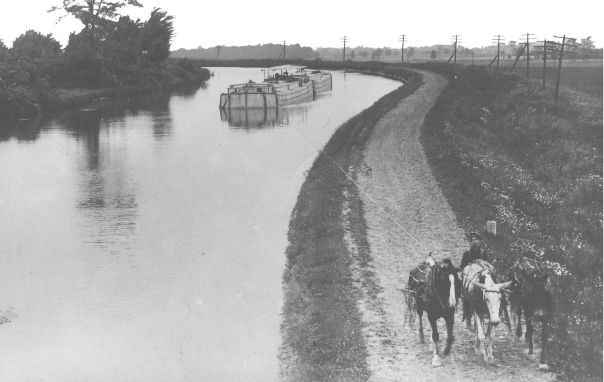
(560, 48)
(528, 56)
(218, 48)
(454, 55)
(344, 39)
(282, 51)
(546, 49)
(403, 39)
(497, 38)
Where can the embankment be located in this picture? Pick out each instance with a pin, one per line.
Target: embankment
(499, 149)
(322, 327)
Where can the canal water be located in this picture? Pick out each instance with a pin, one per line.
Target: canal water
(145, 240)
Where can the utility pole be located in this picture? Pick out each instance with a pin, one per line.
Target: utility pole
(518, 56)
(344, 39)
(545, 50)
(559, 47)
(403, 39)
(218, 48)
(454, 55)
(497, 38)
(528, 56)
(282, 51)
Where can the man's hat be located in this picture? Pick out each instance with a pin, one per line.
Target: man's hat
(475, 235)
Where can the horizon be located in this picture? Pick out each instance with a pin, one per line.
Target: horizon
(373, 27)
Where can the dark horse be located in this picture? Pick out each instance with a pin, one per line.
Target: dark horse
(530, 292)
(436, 288)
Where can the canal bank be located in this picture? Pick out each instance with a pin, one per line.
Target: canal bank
(322, 326)
(369, 211)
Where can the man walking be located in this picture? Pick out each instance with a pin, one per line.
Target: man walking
(475, 252)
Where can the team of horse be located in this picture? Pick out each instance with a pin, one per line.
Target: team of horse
(436, 288)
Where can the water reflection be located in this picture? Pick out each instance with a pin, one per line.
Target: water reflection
(22, 130)
(269, 117)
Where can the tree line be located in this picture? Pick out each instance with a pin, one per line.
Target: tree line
(111, 51)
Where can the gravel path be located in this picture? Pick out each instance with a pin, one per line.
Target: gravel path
(407, 217)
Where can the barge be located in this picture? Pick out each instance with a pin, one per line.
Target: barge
(282, 86)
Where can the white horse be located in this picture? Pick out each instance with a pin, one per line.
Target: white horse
(484, 297)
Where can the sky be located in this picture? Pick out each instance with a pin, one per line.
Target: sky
(314, 23)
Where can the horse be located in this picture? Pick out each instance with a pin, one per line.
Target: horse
(483, 296)
(530, 292)
(436, 289)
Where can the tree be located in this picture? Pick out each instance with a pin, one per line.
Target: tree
(93, 13)
(377, 53)
(410, 52)
(364, 53)
(586, 43)
(512, 43)
(433, 54)
(34, 45)
(466, 51)
(352, 54)
(157, 35)
(586, 46)
(3, 50)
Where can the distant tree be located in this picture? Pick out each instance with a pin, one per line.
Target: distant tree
(512, 43)
(34, 45)
(94, 14)
(433, 54)
(157, 35)
(397, 52)
(352, 54)
(447, 51)
(586, 47)
(586, 43)
(410, 52)
(364, 53)
(466, 51)
(388, 52)
(377, 53)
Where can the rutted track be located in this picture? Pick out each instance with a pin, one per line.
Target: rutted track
(407, 216)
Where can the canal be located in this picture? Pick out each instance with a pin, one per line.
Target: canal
(144, 240)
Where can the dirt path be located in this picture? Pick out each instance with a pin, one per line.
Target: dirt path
(407, 217)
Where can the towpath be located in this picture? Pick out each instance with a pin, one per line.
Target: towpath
(407, 217)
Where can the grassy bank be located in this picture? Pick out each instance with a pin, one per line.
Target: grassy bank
(501, 150)
(321, 323)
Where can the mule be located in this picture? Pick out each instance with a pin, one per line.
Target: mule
(484, 298)
(436, 289)
(530, 292)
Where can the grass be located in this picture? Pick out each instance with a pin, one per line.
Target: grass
(501, 150)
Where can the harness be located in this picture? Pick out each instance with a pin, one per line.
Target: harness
(486, 268)
(427, 286)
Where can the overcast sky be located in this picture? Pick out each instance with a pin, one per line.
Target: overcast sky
(374, 23)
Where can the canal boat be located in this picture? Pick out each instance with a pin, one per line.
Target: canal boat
(282, 85)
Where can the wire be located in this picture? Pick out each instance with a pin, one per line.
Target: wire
(362, 190)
